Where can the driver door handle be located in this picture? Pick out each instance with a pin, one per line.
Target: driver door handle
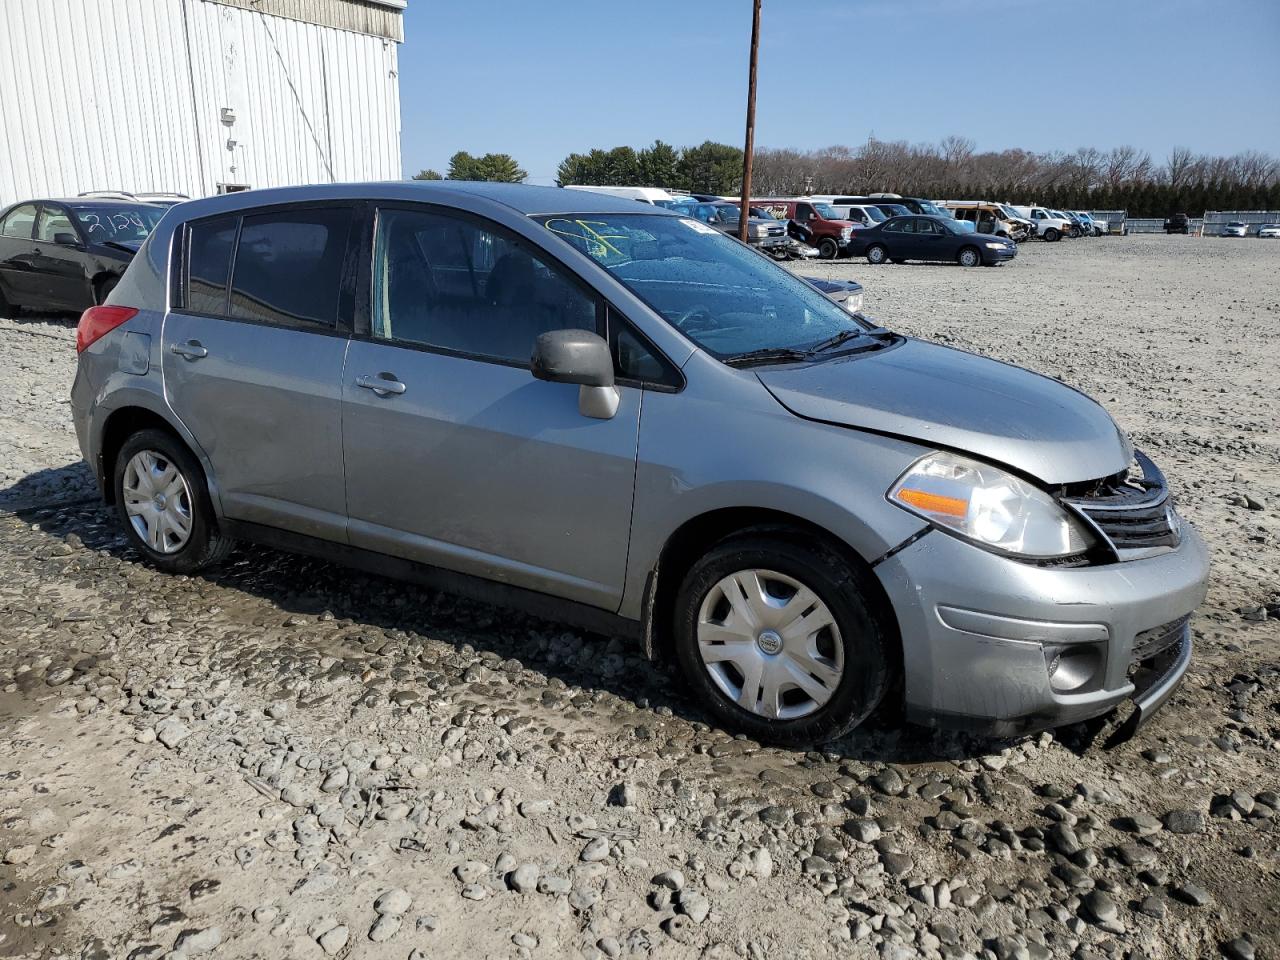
(384, 384)
(191, 350)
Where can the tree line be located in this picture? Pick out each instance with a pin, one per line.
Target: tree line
(1121, 178)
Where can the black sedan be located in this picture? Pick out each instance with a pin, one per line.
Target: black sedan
(66, 255)
(930, 238)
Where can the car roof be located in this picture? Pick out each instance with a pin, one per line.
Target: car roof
(522, 198)
(82, 201)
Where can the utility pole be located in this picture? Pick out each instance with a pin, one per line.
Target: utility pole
(745, 212)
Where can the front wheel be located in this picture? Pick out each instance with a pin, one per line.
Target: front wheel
(876, 254)
(783, 640)
(163, 502)
(102, 289)
(828, 249)
(969, 257)
(1051, 235)
(7, 307)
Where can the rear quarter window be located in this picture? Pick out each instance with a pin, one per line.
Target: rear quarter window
(208, 264)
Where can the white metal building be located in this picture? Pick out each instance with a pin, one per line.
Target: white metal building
(196, 96)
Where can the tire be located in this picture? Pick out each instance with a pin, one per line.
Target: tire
(203, 546)
(1052, 235)
(898, 260)
(103, 287)
(7, 307)
(853, 653)
(877, 254)
(828, 249)
(969, 257)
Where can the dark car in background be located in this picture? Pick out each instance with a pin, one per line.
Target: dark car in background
(1178, 223)
(67, 255)
(764, 232)
(931, 238)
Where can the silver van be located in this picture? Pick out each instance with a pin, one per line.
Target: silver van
(617, 416)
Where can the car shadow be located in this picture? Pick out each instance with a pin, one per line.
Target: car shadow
(62, 502)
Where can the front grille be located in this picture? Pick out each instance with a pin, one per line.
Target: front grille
(1153, 642)
(775, 231)
(1131, 512)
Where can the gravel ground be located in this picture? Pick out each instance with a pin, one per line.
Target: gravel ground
(287, 759)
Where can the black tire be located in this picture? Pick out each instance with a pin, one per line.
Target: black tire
(969, 257)
(205, 546)
(103, 287)
(867, 634)
(1052, 235)
(7, 307)
(877, 254)
(828, 249)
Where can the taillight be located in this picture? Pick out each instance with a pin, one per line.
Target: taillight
(96, 322)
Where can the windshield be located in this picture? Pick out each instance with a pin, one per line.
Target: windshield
(118, 223)
(895, 209)
(1011, 213)
(722, 295)
(929, 209)
(961, 226)
(827, 212)
(875, 213)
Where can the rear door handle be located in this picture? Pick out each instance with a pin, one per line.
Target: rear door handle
(384, 384)
(191, 350)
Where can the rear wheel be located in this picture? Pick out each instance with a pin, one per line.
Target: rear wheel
(969, 257)
(784, 641)
(828, 249)
(1052, 234)
(877, 254)
(7, 308)
(163, 502)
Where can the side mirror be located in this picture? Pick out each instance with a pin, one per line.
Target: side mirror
(581, 357)
(66, 239)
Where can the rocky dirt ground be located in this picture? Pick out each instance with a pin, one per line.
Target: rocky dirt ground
(286, 759)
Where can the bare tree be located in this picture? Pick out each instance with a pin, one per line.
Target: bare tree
(1178, 168)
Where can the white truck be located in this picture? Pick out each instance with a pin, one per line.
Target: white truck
(1047, 226)
(650, 195)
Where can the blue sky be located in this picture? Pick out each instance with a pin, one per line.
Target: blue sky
(541, 78)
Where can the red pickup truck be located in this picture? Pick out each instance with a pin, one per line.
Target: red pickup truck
(831, 235)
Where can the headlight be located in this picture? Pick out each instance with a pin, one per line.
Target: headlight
(759, 230)
(854, 303)
(846, 233)
(985, 504)
(995, 246)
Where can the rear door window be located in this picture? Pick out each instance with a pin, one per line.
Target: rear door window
(20, 222)
(288, 267)
(209, 247)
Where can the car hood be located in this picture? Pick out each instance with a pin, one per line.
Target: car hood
(948, 398)
(126, 246)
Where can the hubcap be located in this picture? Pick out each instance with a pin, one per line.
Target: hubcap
(157, 501)
(770, 644)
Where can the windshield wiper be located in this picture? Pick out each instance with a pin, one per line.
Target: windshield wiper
(765, 355)
(844, 336)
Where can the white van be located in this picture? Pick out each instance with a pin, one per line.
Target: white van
(1048, 227)
(652, 195)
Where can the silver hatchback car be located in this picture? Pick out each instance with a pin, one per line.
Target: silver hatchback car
(615, 415)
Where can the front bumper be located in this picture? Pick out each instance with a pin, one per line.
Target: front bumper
(999, 255)
(979, 632)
